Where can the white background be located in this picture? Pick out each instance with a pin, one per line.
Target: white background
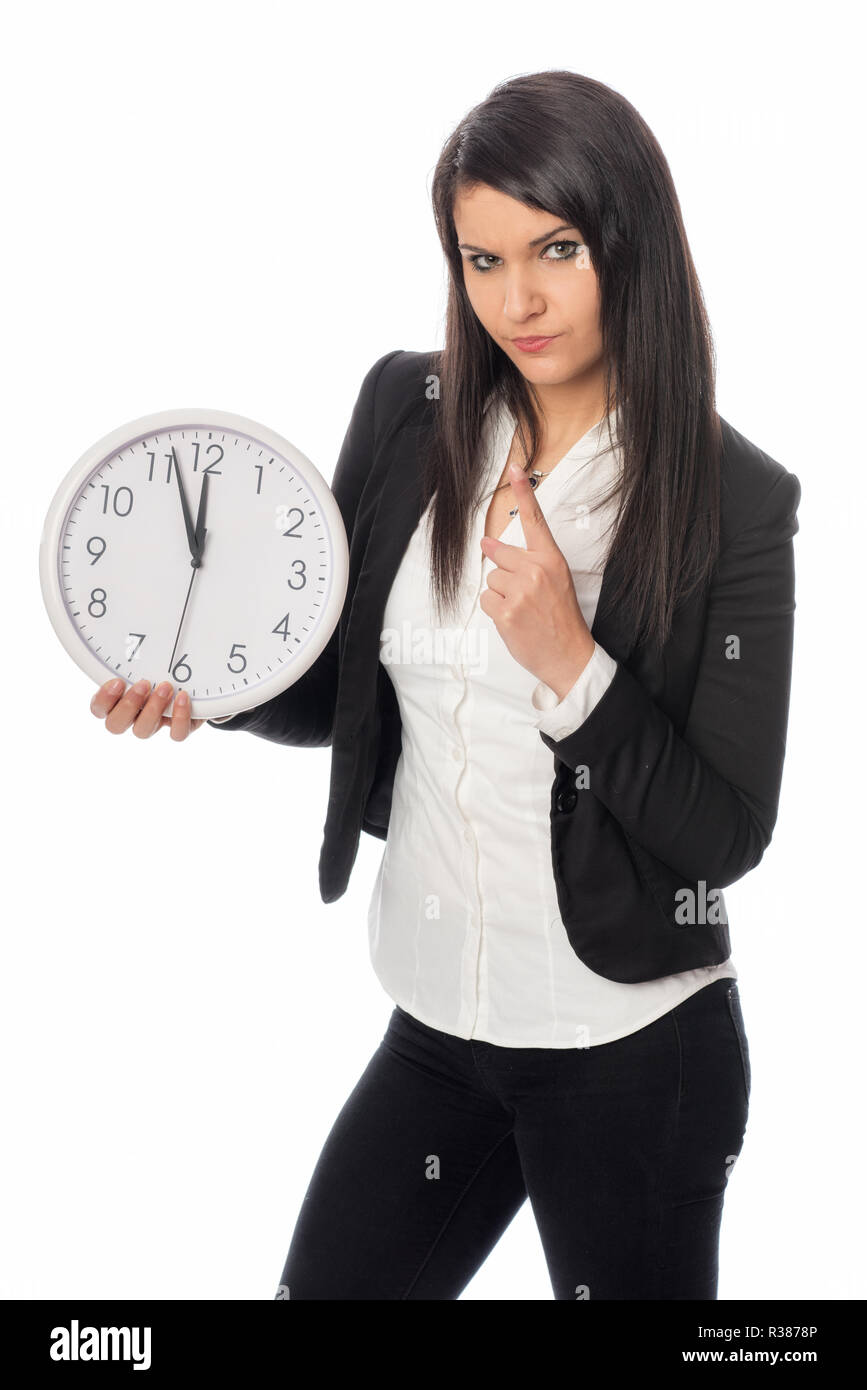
(227, 205)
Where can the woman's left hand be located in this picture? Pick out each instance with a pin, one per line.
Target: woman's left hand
(531, 598)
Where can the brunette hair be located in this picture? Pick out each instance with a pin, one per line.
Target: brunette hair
(573, 147)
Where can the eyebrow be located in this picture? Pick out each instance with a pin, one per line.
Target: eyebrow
(537, 241)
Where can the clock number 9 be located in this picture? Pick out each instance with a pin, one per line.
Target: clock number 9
(97, 554)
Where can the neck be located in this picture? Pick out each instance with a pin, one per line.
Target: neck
(567, 410)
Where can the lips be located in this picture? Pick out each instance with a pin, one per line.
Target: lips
(534, 344)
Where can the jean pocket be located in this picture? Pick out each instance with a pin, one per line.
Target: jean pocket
(736, 1015)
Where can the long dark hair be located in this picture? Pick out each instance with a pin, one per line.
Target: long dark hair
(571, 146)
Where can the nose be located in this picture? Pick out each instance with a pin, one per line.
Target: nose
(522, 298)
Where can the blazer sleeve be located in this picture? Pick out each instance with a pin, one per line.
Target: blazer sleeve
(705, 802)
(303, 714)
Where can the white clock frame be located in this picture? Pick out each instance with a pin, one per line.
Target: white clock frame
(133, 431)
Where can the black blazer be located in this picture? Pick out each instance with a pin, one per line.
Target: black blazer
(684, 751)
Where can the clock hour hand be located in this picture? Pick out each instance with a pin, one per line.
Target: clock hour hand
(188, 520)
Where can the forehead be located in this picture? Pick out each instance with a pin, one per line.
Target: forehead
(482, 213)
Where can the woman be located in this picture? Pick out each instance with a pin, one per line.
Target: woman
(560, 693)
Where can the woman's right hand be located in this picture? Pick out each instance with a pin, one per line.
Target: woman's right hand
(141, 709)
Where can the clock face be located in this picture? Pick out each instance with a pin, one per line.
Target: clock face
(199, 548)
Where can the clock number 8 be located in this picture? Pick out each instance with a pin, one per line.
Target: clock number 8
(99, 601)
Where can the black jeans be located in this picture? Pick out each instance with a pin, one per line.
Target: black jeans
(624, 1150)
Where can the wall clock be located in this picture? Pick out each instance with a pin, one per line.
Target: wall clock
(199, 547)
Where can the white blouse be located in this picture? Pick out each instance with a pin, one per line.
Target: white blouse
(463, 921)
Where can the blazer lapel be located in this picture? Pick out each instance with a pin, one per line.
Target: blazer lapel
(609, 628)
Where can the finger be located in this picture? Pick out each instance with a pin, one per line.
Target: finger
(505, 556)
(128, 707)
(501, 582)
(166, 723)
(150, 718)
(107, 696)
(537, 532)
(181, 716)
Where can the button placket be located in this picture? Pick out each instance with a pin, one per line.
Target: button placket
(460, 752)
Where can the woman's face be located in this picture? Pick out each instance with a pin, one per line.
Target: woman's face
(526, 277)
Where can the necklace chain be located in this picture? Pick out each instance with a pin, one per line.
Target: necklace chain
(533, 480)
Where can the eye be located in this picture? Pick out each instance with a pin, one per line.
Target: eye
(474, 260)
(571, 248)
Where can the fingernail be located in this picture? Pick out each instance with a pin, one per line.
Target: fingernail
(164, 689)
(115, 687)
(182, 698)
(142, 687)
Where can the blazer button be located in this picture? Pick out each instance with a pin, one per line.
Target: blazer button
(567, 800)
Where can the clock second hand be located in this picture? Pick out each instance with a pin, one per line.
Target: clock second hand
(181, 623)
(197, 547)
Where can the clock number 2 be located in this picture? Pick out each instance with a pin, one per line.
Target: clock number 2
(293, 529)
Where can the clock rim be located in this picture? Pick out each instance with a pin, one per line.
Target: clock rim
(154, 422)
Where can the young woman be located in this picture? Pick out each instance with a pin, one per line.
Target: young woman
(559, 692)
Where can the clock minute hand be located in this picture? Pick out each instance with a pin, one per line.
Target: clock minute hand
(201, 529)
(188, 520)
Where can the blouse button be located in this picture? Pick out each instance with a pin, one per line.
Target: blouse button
(567, 800)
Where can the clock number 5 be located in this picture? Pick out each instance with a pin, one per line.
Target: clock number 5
(240, 655)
